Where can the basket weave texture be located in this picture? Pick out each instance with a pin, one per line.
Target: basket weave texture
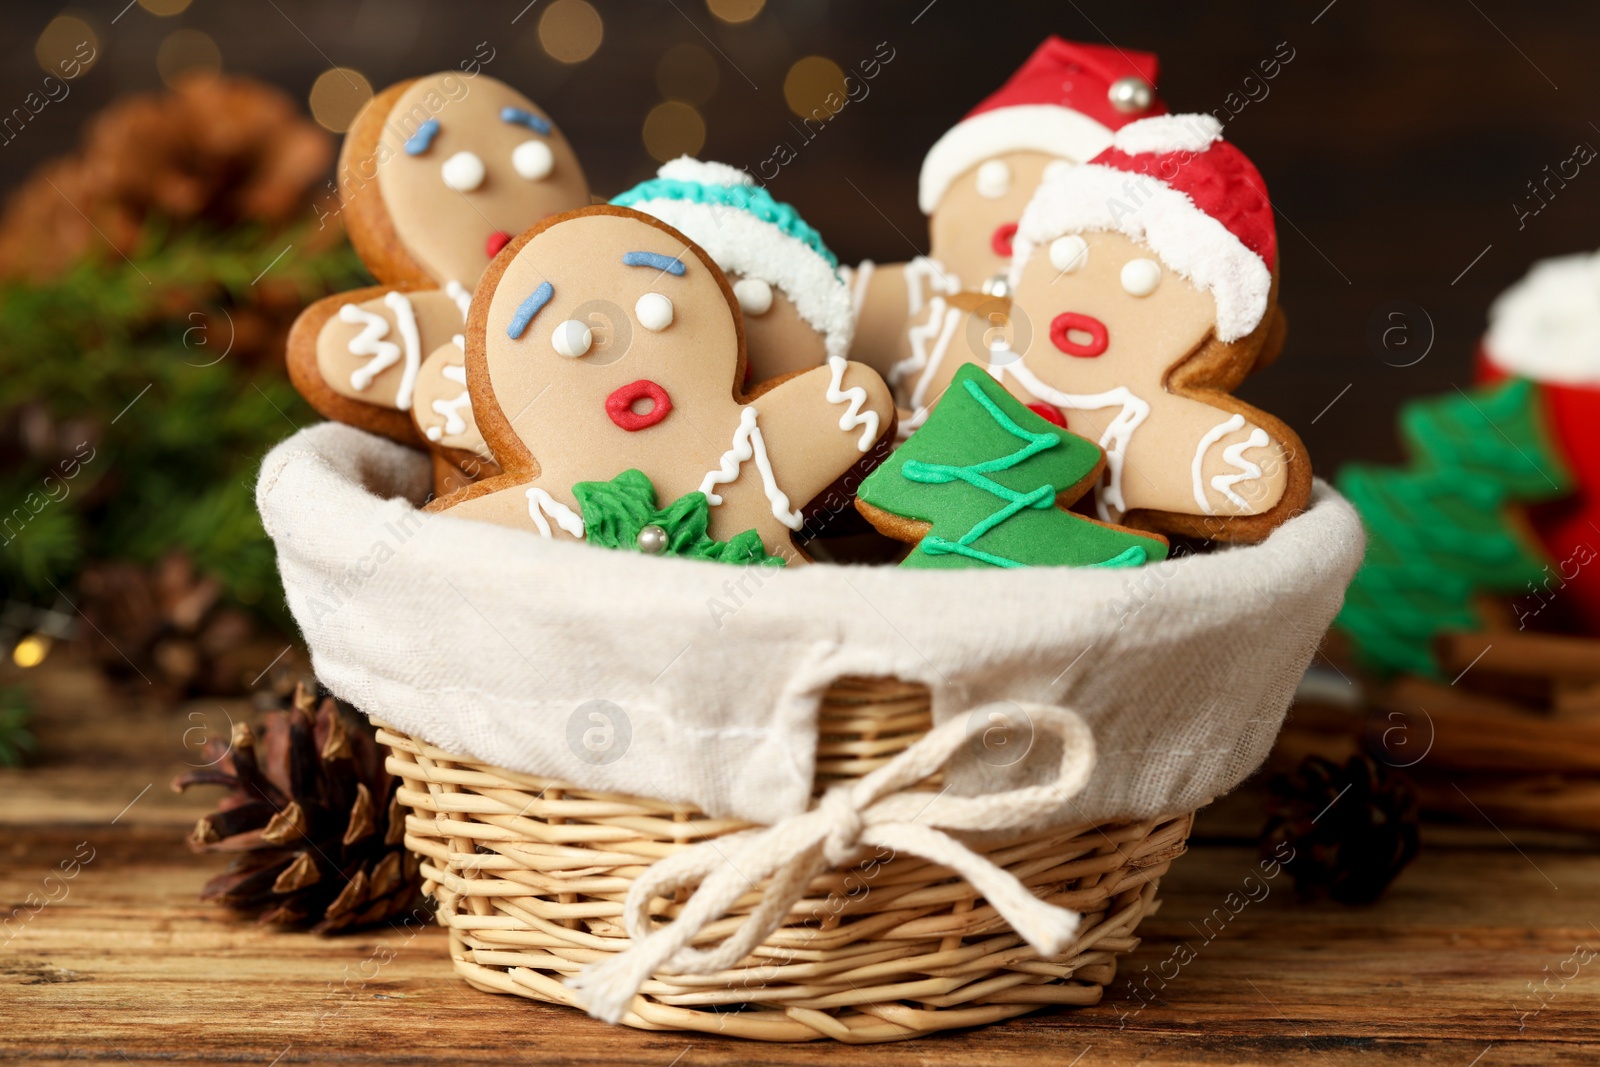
(530, 875)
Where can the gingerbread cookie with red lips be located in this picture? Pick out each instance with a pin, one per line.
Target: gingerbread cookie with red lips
(1059, 109)
(560, 403)
(436, 176)
(1143, 291)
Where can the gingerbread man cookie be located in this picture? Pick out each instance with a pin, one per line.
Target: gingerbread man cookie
(435, 176)
(560, 403)
(1144, 289)
(1059, 109)
(796, 309)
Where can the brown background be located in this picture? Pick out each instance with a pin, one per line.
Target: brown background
(1395, 143)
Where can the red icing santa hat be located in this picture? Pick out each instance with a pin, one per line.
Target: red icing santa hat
(1067, 100)
(1173, 184)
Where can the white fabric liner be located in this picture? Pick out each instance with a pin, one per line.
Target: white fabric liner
(485, 641)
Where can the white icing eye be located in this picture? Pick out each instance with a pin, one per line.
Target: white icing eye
(462, 172)
(994, 179)
(533, 160)
(572, 339)
(1056, 169)
(755, 295)
(654, 311)
(1069, 253)
(1141, 276)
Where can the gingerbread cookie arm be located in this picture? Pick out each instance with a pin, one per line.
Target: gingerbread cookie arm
(441, 408)
(356, 356)
(306, 373)
(777, 463)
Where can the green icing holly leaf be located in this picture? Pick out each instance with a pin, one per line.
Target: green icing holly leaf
(615, 512)
(986, 474)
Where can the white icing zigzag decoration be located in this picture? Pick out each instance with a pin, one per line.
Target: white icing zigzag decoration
(856, 397)
(748, 444)
(940, 328)
(457, 292)
(450, 410)
(370, 342)
(541, 503)
(1233, 455)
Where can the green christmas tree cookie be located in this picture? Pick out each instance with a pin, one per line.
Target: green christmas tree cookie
(1447, 529)
(984, 483)
(622, 513)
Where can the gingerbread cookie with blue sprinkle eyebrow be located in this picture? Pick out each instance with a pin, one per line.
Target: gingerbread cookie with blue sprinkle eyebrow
(561, 399)
(435, 177)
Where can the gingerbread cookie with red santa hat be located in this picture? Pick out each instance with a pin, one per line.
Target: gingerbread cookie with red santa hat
(435, 177)
(1059, 109)
(560, 403)
(1144, 289)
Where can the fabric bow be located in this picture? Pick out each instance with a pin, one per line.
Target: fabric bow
(879, 810)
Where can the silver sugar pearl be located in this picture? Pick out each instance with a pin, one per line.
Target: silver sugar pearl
(652, 540)
(1131, 94)
(997, 286)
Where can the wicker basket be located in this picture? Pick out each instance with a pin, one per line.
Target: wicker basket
(530, 875)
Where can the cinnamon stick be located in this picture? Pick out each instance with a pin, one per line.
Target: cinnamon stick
(1520, 653)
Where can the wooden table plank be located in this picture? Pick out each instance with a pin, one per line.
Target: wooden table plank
(126, 966)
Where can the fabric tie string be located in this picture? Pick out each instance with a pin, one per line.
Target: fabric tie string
(880, 810)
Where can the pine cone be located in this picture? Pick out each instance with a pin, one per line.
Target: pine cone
(215, 150)
(312, 821)
(167, 624)
(1351, 828)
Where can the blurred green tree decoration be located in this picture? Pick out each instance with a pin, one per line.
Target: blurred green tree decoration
(147, 284)
(1448, 528)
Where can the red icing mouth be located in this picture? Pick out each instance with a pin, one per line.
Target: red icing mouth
(497, 240)
(1049, 413)
(619, 405)
(1001, 239)
(1068, 322)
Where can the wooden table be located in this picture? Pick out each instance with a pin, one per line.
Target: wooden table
(126, 965)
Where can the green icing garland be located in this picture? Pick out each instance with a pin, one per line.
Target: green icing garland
(614, 512)
(985, 473)
(1442, 531)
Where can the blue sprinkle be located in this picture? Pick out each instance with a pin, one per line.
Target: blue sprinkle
(420, 140)
(525, 118)
(528, 309)
(669, 264)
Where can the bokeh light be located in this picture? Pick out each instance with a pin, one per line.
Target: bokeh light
(165, 7)
(687, 72)
(570, 30)
(673, 129)
(337, 95)
(808, 85)
(66, 41)
(185, 52)
(736, 10)
(31, 650)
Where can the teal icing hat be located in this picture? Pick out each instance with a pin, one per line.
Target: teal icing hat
(747, 232)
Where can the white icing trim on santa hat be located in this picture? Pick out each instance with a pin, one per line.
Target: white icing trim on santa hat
(1168, 133)
(740, 243)
(1195, 245)
(703, 172)
(1048, 128)
(1547, 326)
